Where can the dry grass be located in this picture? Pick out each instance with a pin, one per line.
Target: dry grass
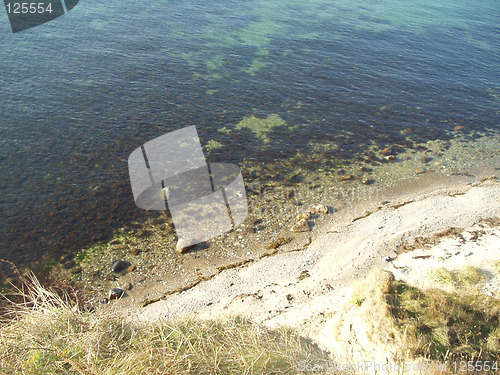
(447, 326)
(466, 280)
(47, 334)
(427, 326)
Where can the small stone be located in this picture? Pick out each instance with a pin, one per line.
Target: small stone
(301, 226)
(425, 159)
(322, 209)
(303, 275)
(366, 181)
(119, 265)
(289, 194)
(115, 293)
(346, 177)
(386, 151)
(304, 215)
(183, 245)
(459, 127)
(104, 301)
(135, 252)
(131, 269)
(390, 157)
(127, 286)
(420, 170)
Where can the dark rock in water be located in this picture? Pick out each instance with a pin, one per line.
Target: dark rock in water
(115, 293)
(119, 265)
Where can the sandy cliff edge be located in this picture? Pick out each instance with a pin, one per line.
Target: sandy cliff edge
(304, 289)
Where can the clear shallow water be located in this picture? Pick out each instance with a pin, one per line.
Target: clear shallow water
(81, 92)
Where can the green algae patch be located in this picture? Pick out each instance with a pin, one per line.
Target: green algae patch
(255, 67)
(213, 145)
(261, 128)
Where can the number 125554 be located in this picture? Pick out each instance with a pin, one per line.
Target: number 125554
(31, 8)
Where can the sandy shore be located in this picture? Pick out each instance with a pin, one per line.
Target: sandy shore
(409, 235)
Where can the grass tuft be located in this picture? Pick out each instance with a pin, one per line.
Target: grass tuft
(447, 326)
(49, 334)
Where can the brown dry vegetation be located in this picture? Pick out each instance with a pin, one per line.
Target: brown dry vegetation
(47, 334)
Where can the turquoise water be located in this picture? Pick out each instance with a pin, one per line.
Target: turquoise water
(80, 93)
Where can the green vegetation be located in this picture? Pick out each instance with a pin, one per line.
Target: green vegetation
(213, 145)
(48, 334)
(260, 127)
(358, 301)
(466, 280)
(441, 325)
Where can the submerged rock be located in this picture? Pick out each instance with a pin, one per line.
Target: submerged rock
(420, 170)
